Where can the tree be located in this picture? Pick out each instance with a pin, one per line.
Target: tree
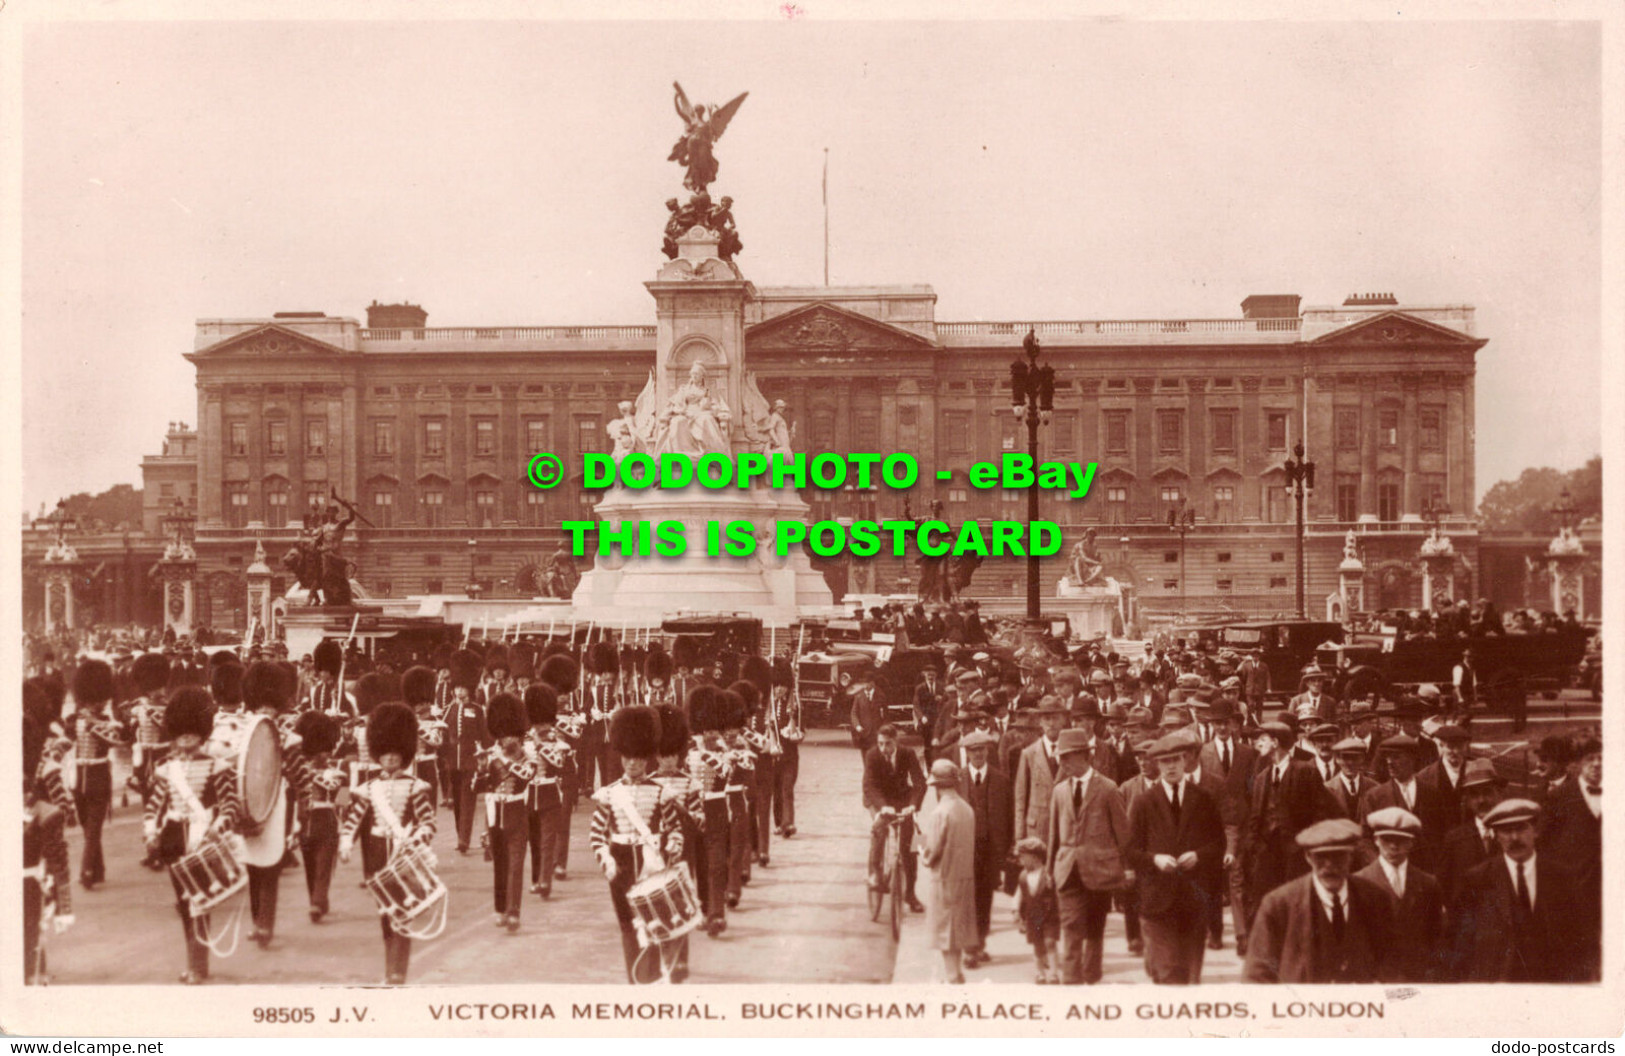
(1525, 504)
(120, 504)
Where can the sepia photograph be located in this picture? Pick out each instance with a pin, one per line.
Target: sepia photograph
(784, 501)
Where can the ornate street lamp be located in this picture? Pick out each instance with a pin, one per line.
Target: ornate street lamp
(1032, 400)
(1181, 519)
(1300, 484)
(1564, 510)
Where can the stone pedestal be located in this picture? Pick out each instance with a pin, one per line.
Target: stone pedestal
(179, 572)
(258, 577)
(59, 609)
(1351, 586)
(1438, 580)
(1565, 561)
(700, 311)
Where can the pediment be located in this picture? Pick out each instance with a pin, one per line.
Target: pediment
(1396, 328)
(827, 328)
(271, 340)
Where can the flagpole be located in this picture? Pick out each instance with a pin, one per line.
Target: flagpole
(826, 216)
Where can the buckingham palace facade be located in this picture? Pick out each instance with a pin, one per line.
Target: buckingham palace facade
(429, 431)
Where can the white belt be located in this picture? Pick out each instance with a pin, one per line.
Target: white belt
(717, 795)
(545, 781)
(625, 841)
(734, 788)
(34, 872)
(103, 761)
(505, 797)
(324, 805)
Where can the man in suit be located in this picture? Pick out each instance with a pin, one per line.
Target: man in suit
(1176, 848)
(1438, 793)
(1313, 704)
(1351, 784)
(1287, 797)
(1518, 917)
(987, 789)
(1416, 898)
(1472, 841)
(892, 782)
(1087, 831)
(1230, 758)
(865, 715)
(1132, 789)
(1399, 759)
(1037, 770)
(927, 703)
(1573, 826)
(1213, 785)
(1321, 738)
(1327, 926)
(1255, 682)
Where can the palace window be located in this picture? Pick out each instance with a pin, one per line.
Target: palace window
(485, 438)
(1277, 430)
(956, 432)
(1224, 432)
(1431, 422)
(1347, 420)
(316, 436)
(434, 508)
(1388, 427)
(957, 495)
(1388, 501)
(1225, 583)
(1275, 504)
(1170, 432)
(276, 505)
(237, 446)
(1223, 557)
(485, 508)
(589, 437)
(1278, 556)
(534, 508)
(1348, 500)
(1224, 502)
(1063, 435)
(535, 435)
(1170, 584)
(276, 438)
(432, 560)
(1432, 490)
(1172, 493)
(383, 508)
(1277, 582)
(1117, 385)
(383, 439)
(237, 505)
(1170, 557)
(1117, 432)
(1117, 505)
(433, 586)
(434, 438)
(166, 490)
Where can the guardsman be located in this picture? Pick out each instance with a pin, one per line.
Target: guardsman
(466, 736)
(319, 779)
(738, 701)
(387, 813)
(1415, 897)
(1327, 926)
(418, 692)
(762, 736)
(194, 794)
(710, 766)
(636, 828)
(266, 691)
(497, 679)
(47, 890)
(554, 760)
(1520, 915)
(600, 764)
(150, 673)
(785, 714)
(657, 672)
(95, 734)
(673, 776)
(505, 776)
(326, 694)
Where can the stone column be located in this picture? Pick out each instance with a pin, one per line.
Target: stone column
(1351, 584)
(61, 567)
(179, 571)
(258, 577)
(1565, 560)
(1438, 571)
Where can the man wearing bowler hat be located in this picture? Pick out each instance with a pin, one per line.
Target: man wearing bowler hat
(1472, 841)
(1438, 792)
(1324, 927)
(1087, 832)
(987, 789)
(1415, 897)
(1176, 847)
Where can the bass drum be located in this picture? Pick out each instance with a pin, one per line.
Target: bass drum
(250, 743)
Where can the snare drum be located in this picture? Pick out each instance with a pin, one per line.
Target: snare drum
(210, 875)
(406, 887)
(666, 904)
(251, 744)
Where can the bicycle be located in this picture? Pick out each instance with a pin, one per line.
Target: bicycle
(891, 869)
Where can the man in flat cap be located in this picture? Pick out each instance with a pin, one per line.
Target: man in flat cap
(1086, 834)
(1438, 793)
(987, 789)
(1288, 796)
(1519, 915)
(1415, 897)
(1232, 759)
(1037, 770)
(1328, 926)
(1351, 784)
(1176, 847)
(947, 855)
(1472, 841)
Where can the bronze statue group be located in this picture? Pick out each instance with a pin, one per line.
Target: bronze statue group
(248, 770)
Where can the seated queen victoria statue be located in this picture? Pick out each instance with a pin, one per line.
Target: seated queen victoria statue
(693, 422)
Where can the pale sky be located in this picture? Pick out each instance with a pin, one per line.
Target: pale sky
(509, 173)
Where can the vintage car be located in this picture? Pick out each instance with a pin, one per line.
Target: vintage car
(1509, 666)
(1284, 646)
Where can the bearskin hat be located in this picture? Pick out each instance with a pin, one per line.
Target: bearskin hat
(496, 659)
(328, 656)
(222, 656)
(784, 672)
(392, 728)
(703, 713)
(318, 732)
(505, 716)
(92, 683)
(556, 647)
(465, 669)
(731, 710)
(673, 730)
(441, 657)
(417, 686)
(290, 679)
(226, 683)
(391, 682)
(150, 672)
(748, 693)
(371, 691)
(657, 666)
(635, 732)
(182, 673)
(520, 664)
(190, 711)
(41, 702)
(729, 663)
(541, 704)
(263, 686)
(687, 651)
(561, 672)
(631, 660)
(758, 672)
(603, 658)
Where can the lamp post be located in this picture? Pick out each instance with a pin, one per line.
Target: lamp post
(1300, 483)
(1563, 509)
(1181, 519)
(1032, 400)
(473, 589)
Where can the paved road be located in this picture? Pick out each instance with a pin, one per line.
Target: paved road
(802, 918)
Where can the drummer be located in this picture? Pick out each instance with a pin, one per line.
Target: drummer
(266, 692)
(389, 812)
(671, 774)
(635, 830)
(318, 779)
(418, 691)
(545, 803)
(46, 873)
(193, 794)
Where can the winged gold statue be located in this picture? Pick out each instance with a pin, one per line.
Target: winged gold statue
(703, 126)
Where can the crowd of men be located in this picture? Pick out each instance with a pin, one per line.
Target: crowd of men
(688, 756)
(1359, 843)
